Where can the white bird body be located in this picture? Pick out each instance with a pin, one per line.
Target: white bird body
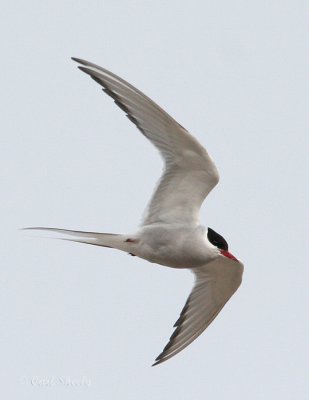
(171, 234)
(175, 246)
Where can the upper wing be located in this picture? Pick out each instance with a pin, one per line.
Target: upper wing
(190, 173)
(215, 283)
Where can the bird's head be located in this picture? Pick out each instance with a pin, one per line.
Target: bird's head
(219, 241)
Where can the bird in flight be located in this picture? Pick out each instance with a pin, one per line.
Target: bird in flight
(171, 234)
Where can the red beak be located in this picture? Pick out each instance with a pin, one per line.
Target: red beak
(227, 254)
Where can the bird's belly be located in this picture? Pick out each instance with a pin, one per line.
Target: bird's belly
(174, 250)
(175, 260)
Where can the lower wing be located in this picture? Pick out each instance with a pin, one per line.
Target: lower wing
(214, 284)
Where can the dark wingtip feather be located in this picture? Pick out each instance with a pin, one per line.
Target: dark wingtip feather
(177, 325)
(157, 363)
(159, 360)
(79, 60)
(84, 69)
(108, 91)
(98, 80)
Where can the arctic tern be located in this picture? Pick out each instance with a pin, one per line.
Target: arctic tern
(171, 234)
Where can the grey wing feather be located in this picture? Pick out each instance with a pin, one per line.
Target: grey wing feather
(215, 283)
(190, 173)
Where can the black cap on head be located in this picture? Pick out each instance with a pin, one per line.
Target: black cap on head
(217, 240)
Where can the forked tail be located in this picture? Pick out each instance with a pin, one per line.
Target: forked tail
(111, 240)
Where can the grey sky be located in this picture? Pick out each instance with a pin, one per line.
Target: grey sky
(235, 74)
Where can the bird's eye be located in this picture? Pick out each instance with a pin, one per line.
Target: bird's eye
(217, 240)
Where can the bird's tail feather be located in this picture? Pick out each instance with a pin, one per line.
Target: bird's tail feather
(112, 240)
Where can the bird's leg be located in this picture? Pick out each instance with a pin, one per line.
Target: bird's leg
(129, 240)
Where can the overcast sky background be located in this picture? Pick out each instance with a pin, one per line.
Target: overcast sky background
(235, 74)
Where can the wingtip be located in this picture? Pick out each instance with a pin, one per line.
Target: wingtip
(80, 61)
(160, 359)
(76, 59)
(89, 72)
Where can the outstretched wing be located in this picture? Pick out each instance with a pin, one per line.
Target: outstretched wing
(215, 283)
(190, 173)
